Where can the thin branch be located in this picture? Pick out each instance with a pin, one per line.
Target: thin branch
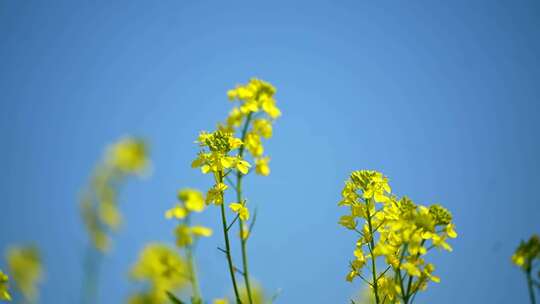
(233, 221)
(231, 183)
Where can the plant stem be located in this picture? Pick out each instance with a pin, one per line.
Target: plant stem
(91, 275)
(408, 294)
(530, 286)
(241, 223)
(228, 245)
(371, 246)
(197, 297)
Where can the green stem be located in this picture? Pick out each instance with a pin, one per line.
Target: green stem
(530, 286)
(405, 247)
(197, 297)
(410, 292)
(228, 245)
(371, 246)
(241, 223)
(91, 275)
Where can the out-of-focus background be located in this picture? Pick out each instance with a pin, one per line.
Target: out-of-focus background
(442, 97)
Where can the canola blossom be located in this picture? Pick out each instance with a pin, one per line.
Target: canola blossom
(189, 201)
(527, 257)
(394, 232)
(252, 120)
(99, 203)
(25, 268)
(163, 270)
(4, 287)
(224, 154)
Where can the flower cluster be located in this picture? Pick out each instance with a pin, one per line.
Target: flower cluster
(24, 265)
(190, 200)
(527, 253)
(249, 122)
(215, 157)
(163, 269)
(4, 290)
(253, 118)
(527, 257)
(395, 229)
(99, 207)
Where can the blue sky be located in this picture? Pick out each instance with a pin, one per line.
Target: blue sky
(441, 96)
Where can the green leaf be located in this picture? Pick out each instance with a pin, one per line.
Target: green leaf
(174, 299)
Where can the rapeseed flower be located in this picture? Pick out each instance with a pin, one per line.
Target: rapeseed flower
(395, 229)
(24, 265)
(163, 269)
(99, 204)
(4, 287)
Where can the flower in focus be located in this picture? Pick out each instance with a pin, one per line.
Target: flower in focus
(241, 210)
(255, 99)
(396, 229)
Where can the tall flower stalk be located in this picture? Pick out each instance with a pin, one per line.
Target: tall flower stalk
(397, 231)
(215, 158)
(252, 119)
(224, 155)
(99, 204)
(187, 235)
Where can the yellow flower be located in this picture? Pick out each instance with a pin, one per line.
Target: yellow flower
(254, 144)
(220, 301)
(24, 264)
(241, 210)
(526, 253)
(261, 166)
(242, 166)
(110, 215)
(220, 143)
(201, 231)
(193, 199)
(129, 155)
(177, 212)
(4, 292)
(183, 236)
(257, 294)
(411, 269)
(215, 194)
(99, 207)
(163, 269)
(348, 222)
(395, 229)
(186, 235)
(263, 127)
(244, 233)
(388, 288)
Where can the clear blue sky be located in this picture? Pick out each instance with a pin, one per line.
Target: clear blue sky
(442, 96)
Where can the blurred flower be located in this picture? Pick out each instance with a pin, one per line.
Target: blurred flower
(527, 252)
(164, 269)
(128, 155)
(99, 206)
(4, 291)
(24, 265)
